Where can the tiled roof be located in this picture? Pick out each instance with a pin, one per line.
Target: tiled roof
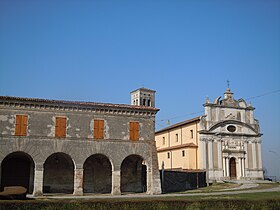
(77, 103)
(179, 124)
(144, 89)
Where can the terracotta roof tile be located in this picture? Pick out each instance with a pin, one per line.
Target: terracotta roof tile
(78, 103)
(179, 124)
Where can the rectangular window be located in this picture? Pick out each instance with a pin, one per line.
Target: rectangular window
(168, 155)
(134, 131)
(163, 140)
(183, 153)
(21, 125)
(60, 127)
(177, 138)
(191, 134)
(98, 129)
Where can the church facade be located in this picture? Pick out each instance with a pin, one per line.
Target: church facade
(52, 146)
(225, 142)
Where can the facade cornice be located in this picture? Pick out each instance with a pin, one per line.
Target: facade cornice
(205, 132)
(76, 106)
(189, 145)
(223, 106)
(233, 151)
(71, 139)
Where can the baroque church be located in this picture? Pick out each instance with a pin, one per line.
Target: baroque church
(225, 142)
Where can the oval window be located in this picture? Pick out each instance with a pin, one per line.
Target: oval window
(231, 128)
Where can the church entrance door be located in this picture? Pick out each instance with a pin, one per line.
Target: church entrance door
(232, 166)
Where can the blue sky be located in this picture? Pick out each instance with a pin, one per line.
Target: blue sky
(99, 50)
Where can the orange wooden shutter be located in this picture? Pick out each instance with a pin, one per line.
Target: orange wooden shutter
(98, 129)
(101, 129)
(18, 125)
(95, 129)
(134, 131)
(21, 125)
(60, 127)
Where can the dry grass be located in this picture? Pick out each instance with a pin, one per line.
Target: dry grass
(213, 188)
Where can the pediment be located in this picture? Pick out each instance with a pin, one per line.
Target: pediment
(233, 127)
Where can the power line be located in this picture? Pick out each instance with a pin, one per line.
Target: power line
(193, 113)
(265, 94)
(199, 112)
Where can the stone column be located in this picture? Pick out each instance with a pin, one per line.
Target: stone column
(210, 152)
(224, 167)
(254, 153)
(246, 156)
(227, 165)
(239, 168)
(38, 180)
(149, 180)
(244, 168)
(203, 155)
(78, 181)
(220, 163)
(116, 182)
(260, 156)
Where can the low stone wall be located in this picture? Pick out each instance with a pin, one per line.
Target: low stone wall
(176, 181)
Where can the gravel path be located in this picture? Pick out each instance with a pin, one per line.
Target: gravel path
(276, 189)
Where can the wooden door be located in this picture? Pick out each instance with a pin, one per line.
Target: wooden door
(232, 166)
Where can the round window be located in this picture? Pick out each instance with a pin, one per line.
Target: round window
(231, 128)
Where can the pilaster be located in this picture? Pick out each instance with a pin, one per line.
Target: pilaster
(78, 181)
(116, 182)
(38, 180)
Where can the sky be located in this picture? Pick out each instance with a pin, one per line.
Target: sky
(186, 50)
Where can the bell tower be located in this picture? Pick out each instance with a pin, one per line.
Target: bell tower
(143, 97)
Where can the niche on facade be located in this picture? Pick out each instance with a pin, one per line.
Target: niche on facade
(17, 169)
(97, 174)
(58, 174)
(133, 174)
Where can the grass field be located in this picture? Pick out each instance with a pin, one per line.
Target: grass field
(220, 187)
(252, 201)
(268, 200)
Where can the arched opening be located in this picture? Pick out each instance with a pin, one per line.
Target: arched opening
(58, 174)
(17, 169)
(97, 174)
(133, 174)
(232, 166)
(144, 102)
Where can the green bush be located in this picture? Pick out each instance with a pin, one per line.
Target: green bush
(131, 205)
